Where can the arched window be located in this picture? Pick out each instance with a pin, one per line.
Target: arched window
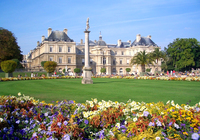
(114, 71)
(120, 71)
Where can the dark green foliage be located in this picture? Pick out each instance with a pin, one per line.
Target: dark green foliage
(128, 69)
(148, 70)
(64, 70)
(103, 70)
(183, 54)
(8, 46)
(42, 63)
(8, 66)
(50, 66)
(77, 70)
(19, 65)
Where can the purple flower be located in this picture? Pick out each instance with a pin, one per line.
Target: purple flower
(86, 122)
(195, 136)
(158, 123)
(176, 126)
(66, 137)
(151, 124)
(145, 113)
(18, 121)
(34, 134)
(65, 122)
(59, 124)
(170, 123)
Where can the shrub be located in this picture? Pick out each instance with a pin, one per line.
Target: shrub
(128, 69)
(103, 70)
(8, 66)
(50, 66)
(77, 70)
(148, 70)
(64, 70)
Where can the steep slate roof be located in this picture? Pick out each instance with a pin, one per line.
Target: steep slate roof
(58, 36)
(124, 45)
(144, 41)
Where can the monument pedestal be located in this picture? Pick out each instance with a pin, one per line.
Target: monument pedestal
(87, 74)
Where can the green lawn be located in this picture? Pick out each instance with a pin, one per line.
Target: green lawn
(105, 89)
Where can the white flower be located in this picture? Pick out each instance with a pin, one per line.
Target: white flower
(1, 119)
(117, 125)
(95, 100)
(19, 94)
(85, 114)
(157, 138)
(135, 119)
(100, 103)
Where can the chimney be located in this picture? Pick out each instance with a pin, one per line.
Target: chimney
(43, 37)
(38, 42)
(81, 41)
(119, 42)
(65, 30)
(138, 37)
(149, 36)
(49, 31)
(129, 41)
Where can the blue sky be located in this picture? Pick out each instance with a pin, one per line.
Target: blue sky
(164, 20)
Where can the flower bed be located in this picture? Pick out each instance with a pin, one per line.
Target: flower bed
(23, 117)
(114, 77)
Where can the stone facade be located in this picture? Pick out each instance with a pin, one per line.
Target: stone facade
(68, 54)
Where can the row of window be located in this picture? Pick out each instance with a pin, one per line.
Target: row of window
(60, 59)
(60, 49)
(114, 61)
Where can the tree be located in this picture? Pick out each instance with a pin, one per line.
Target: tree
(128, 70)
(184, 54)
(77, 70)
(19, 65)
(156, 55)
(50, 66)
(8, 66)
(8, 46)
(142, 58)
(103, 70)
(42, 63)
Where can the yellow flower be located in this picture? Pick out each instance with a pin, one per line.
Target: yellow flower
(185, 133)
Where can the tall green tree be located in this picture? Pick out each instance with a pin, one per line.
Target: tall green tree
(184, 53)
(142, 58)
(9, 48)
(157, 55)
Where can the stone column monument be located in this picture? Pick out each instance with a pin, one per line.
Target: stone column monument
(87, 70)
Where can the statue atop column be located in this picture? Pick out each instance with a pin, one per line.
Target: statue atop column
(87, 24)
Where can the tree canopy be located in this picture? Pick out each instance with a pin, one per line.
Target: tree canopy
(50, 66)
(9, 48)
(183, 54)
(142, 58)
(156, 55)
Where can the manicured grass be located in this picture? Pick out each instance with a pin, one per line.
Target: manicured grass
(105, 89)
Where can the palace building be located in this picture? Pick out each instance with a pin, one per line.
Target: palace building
(59, 47)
